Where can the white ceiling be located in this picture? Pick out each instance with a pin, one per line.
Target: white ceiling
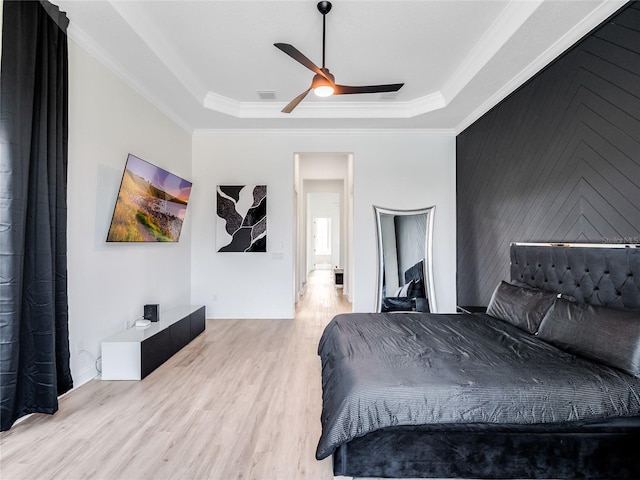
(204, 62)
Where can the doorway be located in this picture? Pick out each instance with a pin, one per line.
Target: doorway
(324, 250)
(324, 217)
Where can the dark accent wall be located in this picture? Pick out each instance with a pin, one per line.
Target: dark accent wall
(556, 161)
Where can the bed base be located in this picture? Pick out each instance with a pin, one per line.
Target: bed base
(601, 450)
(604, 450)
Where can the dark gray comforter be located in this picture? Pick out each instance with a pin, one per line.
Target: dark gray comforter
(387, 369)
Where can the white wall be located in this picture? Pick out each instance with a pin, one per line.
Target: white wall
(395, 170)
(242, 285)
(110, 282)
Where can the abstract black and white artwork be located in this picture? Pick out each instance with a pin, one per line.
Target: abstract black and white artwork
(241, 218)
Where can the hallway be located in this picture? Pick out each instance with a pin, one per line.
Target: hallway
(321, 300)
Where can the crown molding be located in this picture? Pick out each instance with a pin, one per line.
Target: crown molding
(86, 42)
(327, 132)
(597, 16)
(133, 15)
(219, 103)
(384, 109)
(508, 22)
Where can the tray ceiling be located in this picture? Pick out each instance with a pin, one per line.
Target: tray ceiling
(212, 64)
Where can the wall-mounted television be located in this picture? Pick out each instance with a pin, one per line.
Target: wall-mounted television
(151, 204)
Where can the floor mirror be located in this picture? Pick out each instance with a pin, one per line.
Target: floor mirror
(405, 260)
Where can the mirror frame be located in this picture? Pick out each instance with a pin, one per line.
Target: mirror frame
(428, 261)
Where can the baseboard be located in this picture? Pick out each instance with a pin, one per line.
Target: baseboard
(83, 376)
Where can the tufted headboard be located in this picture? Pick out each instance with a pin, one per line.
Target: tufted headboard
(599, 275)
(416, 272)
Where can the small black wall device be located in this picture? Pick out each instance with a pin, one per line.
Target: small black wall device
(151, 312)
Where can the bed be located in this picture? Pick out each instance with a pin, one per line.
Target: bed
(544, 385)
(411, 296)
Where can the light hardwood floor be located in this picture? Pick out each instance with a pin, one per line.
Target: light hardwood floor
(242, 401)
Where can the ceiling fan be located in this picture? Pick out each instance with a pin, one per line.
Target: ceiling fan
(323, 83)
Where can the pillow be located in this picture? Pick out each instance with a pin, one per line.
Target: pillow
(609, 336)
(405, 289)
(520, 306)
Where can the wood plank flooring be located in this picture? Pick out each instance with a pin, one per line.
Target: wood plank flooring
(242, 401)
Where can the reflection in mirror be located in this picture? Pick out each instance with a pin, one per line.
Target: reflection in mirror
(405, 264)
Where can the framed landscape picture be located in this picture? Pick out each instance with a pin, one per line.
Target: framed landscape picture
(241, 218)
(151, 204)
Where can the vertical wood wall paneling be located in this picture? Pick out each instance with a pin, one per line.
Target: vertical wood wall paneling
(556, 161)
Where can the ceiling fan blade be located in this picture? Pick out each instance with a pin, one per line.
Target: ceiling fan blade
(345, 89)
(294, 103)
(294, 53)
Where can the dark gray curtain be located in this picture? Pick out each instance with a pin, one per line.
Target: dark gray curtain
(34, 362)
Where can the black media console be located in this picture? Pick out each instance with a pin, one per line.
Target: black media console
(136, 352)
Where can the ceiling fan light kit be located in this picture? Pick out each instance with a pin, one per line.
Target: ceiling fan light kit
(323, 83)
(323, 86)
(323, 91)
